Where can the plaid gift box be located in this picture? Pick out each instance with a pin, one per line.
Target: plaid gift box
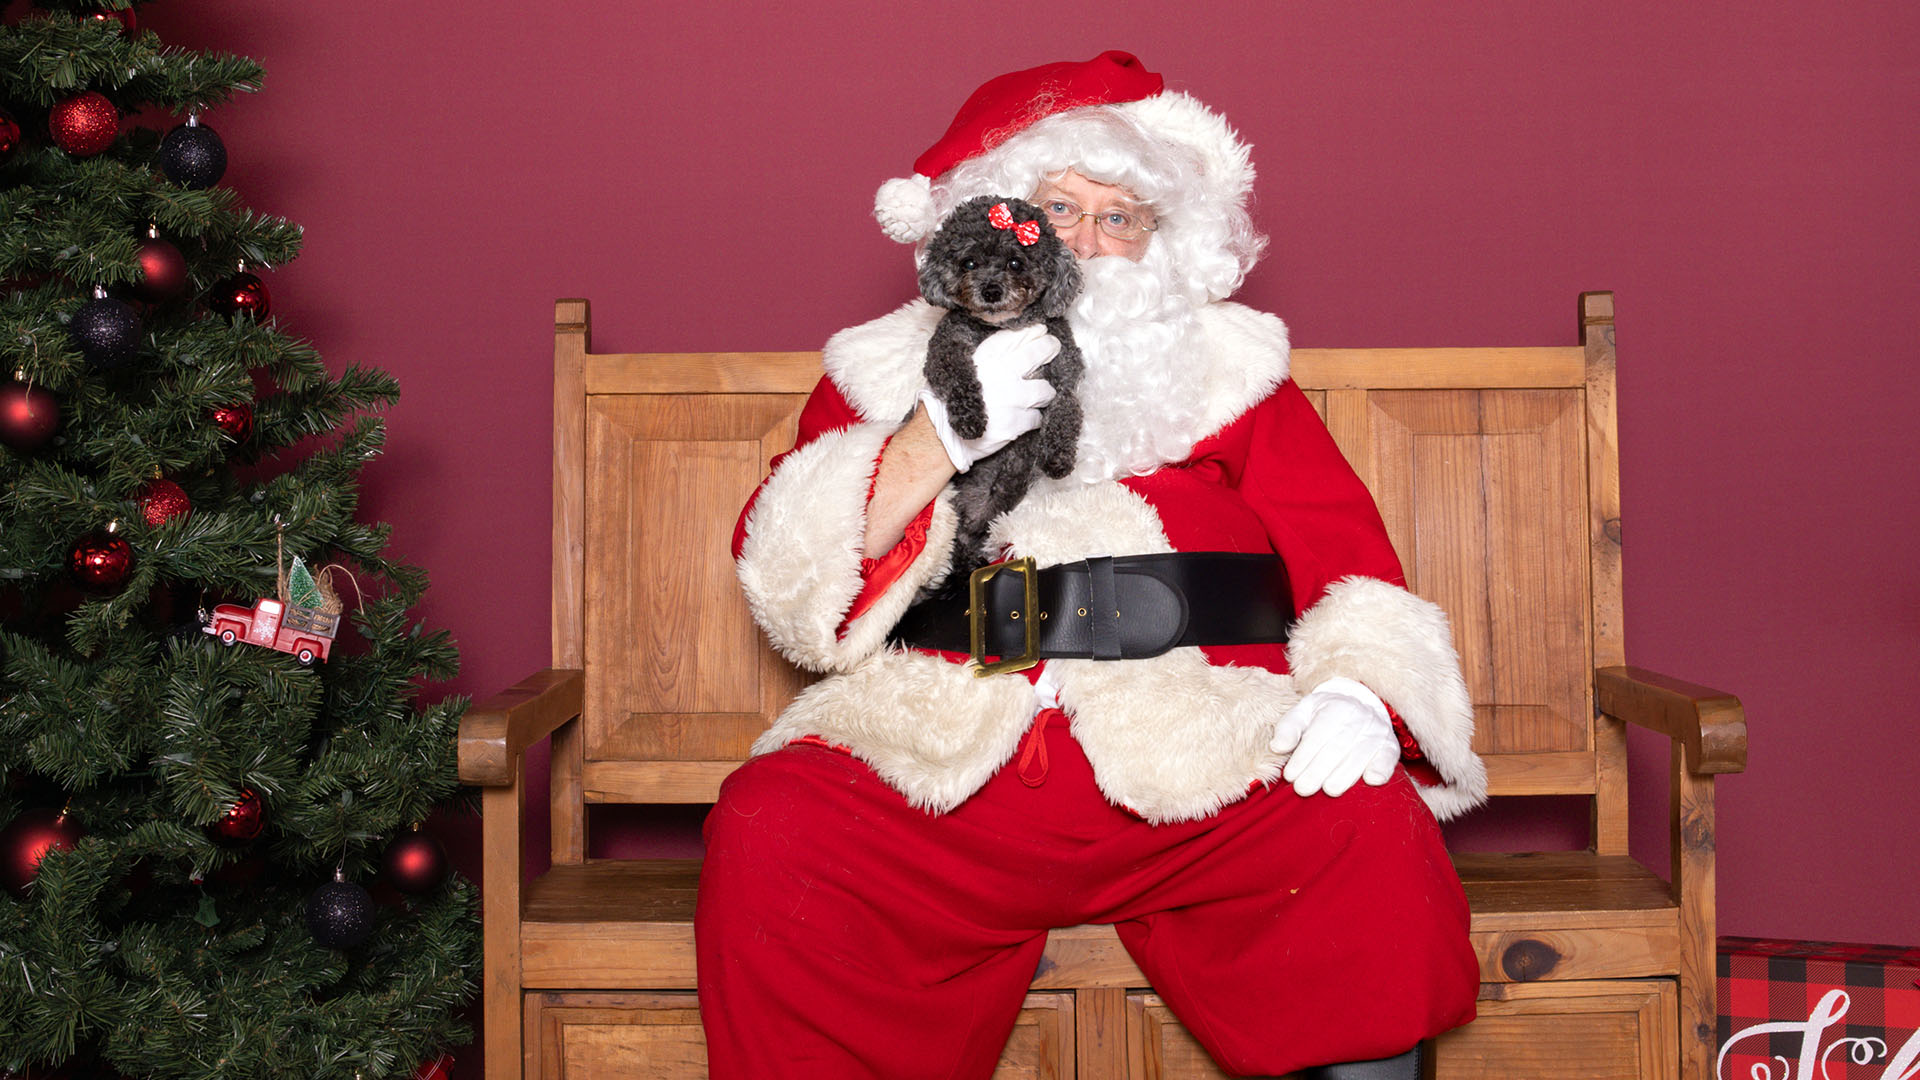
(1818, 1010)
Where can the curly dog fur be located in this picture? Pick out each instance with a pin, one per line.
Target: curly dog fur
(991, 281)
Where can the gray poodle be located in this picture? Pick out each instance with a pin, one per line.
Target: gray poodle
(997, 265)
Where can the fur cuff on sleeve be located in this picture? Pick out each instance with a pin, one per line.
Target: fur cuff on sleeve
(800, 563)
(1400, 646)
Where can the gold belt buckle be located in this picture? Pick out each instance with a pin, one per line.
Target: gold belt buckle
(977, 617)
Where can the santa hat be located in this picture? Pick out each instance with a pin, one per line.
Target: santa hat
(1005, 107)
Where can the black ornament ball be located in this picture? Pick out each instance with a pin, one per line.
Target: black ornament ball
(192, 155)
(9, 136)
(415, 863)
(29, 415)
(340, 914)
(241, 292)
(106, 331)
(163, 271)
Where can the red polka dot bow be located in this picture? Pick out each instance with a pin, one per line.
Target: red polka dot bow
(1027, 232)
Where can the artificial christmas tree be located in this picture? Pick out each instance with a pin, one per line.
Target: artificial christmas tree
(188, 828)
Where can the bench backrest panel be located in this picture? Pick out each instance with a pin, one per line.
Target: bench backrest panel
(1494, 469)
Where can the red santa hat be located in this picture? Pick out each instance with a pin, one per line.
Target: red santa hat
(996, 116)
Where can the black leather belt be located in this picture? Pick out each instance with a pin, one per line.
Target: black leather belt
(1105, 608)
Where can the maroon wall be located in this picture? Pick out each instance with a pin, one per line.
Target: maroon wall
(1741, 175)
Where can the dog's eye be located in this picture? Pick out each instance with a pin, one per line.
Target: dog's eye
(1015, 265)
(967, 264)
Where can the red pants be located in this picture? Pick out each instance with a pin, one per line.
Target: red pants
(842, 933)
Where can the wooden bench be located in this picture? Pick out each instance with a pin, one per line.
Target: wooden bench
(1498, 475)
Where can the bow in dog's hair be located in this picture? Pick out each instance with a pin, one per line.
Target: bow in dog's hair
(1027, 232)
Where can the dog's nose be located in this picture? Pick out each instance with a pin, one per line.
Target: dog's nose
(992, 293)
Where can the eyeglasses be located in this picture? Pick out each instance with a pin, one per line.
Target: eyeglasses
(1116, 221)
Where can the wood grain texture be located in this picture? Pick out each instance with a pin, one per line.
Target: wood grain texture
(1437, 368)
(572, 340)
(567, 807)
(1100, 1034)
(702, 373)
(1692, 848)
(1611, 1030)
(1710, 723)
(502, 810)
(494, 733)
(1159, 1048)
(677, 668)
(656, 782)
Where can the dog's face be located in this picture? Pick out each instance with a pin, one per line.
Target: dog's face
(998, 264)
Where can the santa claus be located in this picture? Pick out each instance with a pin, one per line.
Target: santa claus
(1214, 717)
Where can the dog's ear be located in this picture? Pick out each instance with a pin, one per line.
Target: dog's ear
(937, 279)
(1063, 284)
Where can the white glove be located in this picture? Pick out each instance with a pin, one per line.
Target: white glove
(1005, 363)
(1337, 734)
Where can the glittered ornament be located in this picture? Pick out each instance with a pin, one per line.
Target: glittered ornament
(236, 420)
(163, 270)
(162, 500)
(28, 840)
(340, 913)
(85, 124)
(29, 415)
(243, 292)
(415, 863)
(106, 331)
(9, 136)
(243, 821)
(100, 561)
(193, 156)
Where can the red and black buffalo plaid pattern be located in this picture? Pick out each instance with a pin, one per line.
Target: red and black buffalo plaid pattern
(1860, 1036)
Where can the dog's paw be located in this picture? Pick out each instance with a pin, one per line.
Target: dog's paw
(969, 421)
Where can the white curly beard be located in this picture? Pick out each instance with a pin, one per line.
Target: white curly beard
(1142, 394)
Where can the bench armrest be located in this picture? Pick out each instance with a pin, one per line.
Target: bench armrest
(1711, 724)
(494, 733)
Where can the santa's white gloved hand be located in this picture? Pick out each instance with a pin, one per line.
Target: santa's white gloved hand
(1337, 734)
(1005, 363)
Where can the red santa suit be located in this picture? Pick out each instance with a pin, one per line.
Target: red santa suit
(880, 878)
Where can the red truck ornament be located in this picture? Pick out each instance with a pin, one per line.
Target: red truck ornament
(305, 632)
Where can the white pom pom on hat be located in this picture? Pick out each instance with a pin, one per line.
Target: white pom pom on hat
(905, 210)
(1001, 108)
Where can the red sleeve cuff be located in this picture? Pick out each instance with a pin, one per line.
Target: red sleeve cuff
(1411, 756)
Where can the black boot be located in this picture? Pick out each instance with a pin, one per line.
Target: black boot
(1404, 1067)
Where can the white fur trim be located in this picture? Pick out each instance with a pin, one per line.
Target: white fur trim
(904, 207)
(800, 564)
(1175, 738)
(1248, 356)
(926, 726)
(880, 365)
(1400, 647)
(1171, 738)
(1226, 161)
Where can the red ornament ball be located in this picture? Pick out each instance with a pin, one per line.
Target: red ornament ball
(236, 420)
(85, 124)
(29, 415)
(241, 292)
(415, 863)
(129, 22)
(28, 840)
(440, 1068)
(244, 820)
(162, 501)
(163, 271)
(9, 135)
(100, 561)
